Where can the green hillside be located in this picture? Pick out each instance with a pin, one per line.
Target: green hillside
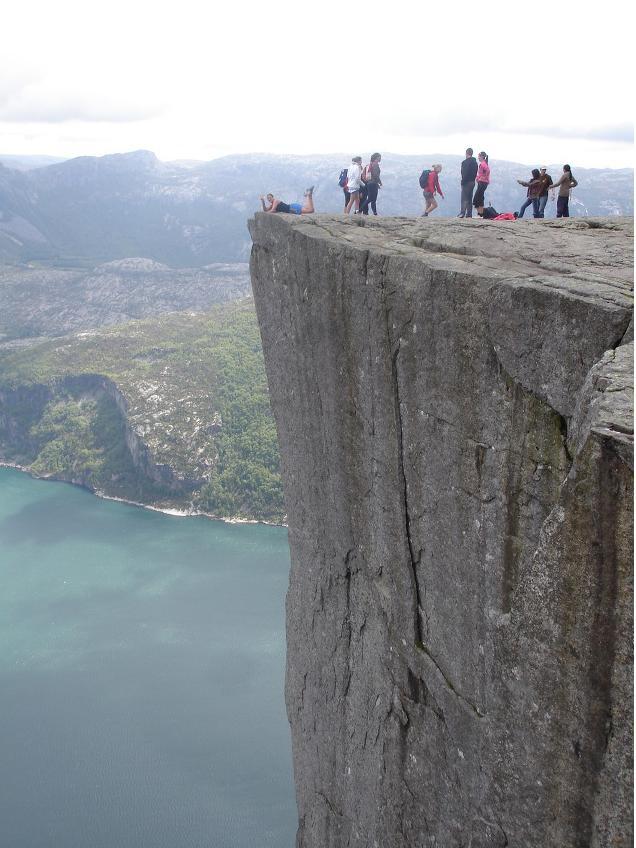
(173, 411)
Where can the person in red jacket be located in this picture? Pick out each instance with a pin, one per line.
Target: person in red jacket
(431, 189)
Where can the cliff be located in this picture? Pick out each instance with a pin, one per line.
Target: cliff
(454, 408)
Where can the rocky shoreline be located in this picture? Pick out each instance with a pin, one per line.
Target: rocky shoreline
(166, 510)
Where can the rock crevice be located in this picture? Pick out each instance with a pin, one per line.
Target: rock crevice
(455, 415)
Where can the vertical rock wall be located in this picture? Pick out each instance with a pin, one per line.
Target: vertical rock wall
(454, 410)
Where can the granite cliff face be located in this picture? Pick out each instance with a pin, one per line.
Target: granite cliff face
(454, 408)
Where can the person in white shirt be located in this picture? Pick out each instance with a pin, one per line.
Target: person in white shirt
(354, 184)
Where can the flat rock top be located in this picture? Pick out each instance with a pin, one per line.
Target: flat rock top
(591, 258)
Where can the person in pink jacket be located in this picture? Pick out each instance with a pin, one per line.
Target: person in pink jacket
(483, 180)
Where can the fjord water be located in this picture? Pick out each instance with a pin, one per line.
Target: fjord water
(141, 676)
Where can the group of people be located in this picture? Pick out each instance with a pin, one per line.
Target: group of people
(476, 172)
(362, 184)
(538, 188)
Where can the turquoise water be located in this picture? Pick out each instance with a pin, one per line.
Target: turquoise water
(141, 676)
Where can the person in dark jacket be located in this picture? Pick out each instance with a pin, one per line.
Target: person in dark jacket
(373, 183)
(532, 195)
(546, 182)
(469, 173)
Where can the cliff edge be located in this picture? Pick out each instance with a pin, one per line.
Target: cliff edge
(454, 407)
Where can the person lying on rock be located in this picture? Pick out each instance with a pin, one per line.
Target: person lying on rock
(275, 205)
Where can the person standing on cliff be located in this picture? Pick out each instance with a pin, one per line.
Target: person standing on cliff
(565, 185)
(342, 182)
(483, 181)
(431, 188)
(469, 174)
(546, 182)
(532, 196)
(354, 184)
(373, 184)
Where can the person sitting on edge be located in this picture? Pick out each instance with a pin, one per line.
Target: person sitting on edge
(532, 195)
(372, 174)
(354, 184)
(275, 205)
(483, 181)
(469, 173)
(565, 185)
(431, 189)
(546, 182)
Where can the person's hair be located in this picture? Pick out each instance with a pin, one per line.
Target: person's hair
(356, 158)
(536, 173)
(270, 195)
(469, 150)
(484, 155)
(435, 167)
(569, 170)
(375, 157)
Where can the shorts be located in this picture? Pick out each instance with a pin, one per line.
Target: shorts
(428, 196)
(295, 208)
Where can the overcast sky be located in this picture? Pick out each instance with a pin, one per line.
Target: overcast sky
(191, 80)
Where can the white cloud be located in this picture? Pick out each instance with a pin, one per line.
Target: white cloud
(43, 104)
(192, 80)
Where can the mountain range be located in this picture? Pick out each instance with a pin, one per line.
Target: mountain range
(190, 214)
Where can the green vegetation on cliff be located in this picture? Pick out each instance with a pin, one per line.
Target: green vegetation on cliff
(195, 404)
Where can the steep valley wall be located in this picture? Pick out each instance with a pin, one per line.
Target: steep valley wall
(454, 408)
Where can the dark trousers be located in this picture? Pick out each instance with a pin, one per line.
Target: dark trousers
(531, 201)
(563, 208)
(467, 199)
(372, 196)
(478, 199)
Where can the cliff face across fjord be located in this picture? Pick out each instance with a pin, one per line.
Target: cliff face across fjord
(454, 407)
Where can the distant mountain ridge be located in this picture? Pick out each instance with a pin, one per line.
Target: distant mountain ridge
(38, 301)
(188, 214)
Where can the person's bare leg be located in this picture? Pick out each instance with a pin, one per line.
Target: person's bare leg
(355, 198)
(308, 206)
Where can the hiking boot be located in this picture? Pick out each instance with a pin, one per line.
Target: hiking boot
(309, 191)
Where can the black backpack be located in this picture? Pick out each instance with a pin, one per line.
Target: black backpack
(342, 179)
(424, 177)
(489, 213)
